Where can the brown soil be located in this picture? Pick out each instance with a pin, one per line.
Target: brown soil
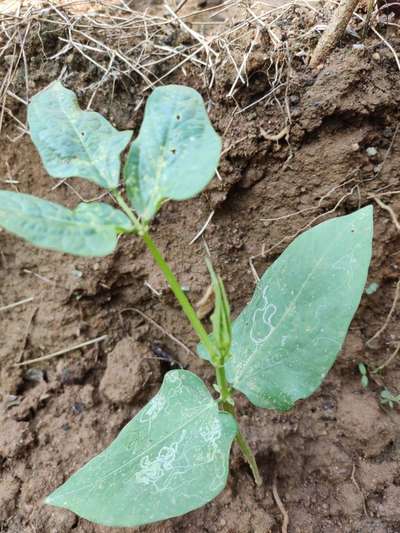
(334, 458)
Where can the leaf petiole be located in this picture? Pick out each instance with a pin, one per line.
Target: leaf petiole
(247, 452)
(139, 228)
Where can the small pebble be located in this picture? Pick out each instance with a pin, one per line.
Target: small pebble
(12, 401)
(355, 147)
(34, 374)
(308, 82)
(388, 133)
(372, 151)
(376, 56)
(76, 273)
(294, 99)
(77, 408)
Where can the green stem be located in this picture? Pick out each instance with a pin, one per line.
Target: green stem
(128, 211)
(180, 296)
(249, 456)
(228, 406)
(226, 400)
(223, 385)
(169, 276)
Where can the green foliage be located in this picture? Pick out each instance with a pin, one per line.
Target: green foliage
(221, 318)
(372, 288)
(171, 458)
(364, 375)
(89, 230)
(176, 153)
(387, 398)
(288, 336)
(72, 142)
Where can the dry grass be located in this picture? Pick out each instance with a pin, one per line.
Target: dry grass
(225, 42)
(121, 43)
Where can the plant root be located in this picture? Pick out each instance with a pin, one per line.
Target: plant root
(278, 501)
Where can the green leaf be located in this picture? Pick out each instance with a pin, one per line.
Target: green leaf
(176, 153)
(221, 317)
(173, 457)
(387, 398)
(364, 381)
(287, 338)
(90, 230)
(72, 142)
(362, 369)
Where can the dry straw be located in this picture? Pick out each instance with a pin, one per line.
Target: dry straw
(144, 49)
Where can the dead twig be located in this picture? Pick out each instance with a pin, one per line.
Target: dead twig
(388, 360)
(355, 483)
(21, 302)
(385, 42)
(388, 151)
(26, 334)
(203, 229)
(334, 31)
(62, 352)
(160, 328)
(387, 208)
(180, 6)
(389, 315)
(278, 501)
(206, 303)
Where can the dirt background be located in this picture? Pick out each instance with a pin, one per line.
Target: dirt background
(334, 459)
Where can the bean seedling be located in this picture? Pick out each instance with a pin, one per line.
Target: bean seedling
(390, 399)
(364, 375)
(173, 456)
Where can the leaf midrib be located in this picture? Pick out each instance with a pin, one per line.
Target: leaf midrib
(75, 103)
(236, 381)
(147, 450)
(63, 222)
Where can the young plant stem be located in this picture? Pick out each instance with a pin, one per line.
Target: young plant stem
(223, 385)
(228, 406)
(226, 400)
(169, 275)
(249, 456)
(127, 210)
(180, 296)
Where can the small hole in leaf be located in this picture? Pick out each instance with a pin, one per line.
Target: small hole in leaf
(173, 151)
(178, 117)
(82, 133)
